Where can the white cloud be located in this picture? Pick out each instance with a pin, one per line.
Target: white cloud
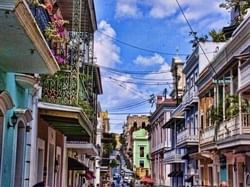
(149, 60)
(194, 9)
(106, 51)
(127, 8)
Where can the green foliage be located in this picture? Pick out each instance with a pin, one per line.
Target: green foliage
(114, 143)
(242, 5)
(217, 36)
(107, 149)
(197, 39)
(114, 163)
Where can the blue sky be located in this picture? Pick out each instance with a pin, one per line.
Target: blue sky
(156, 25)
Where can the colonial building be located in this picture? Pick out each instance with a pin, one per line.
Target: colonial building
(66, 138)
(141, 162)
(24, 53)
(160, 140)
(133, 123)
(225, 118)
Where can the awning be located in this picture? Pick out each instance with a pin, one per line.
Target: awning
(171, 174)
(22, 44)
(83, 147)
(74, 164)
(70, 121)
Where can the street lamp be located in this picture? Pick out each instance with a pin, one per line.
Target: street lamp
(13, 120)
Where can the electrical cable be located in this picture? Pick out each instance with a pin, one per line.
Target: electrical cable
(141, 48)
(142, 83)
(194, 35)
(132, 72)
(131, 105)
(129, 108)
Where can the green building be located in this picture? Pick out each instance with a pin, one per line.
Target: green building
(141, 153)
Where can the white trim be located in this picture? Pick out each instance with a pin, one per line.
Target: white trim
(51, 142)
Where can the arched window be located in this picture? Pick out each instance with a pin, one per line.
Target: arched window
(135, 125)
(143, 125)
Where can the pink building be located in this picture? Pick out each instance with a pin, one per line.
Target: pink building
(160, 140)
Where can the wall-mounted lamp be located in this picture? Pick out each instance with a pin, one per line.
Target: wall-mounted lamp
(13, 121)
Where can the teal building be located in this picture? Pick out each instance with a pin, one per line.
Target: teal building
(141, 163)
(24, 53)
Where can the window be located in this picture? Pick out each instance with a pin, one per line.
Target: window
(135, 125)
(141, 163)
(143, 125)
(141, 151)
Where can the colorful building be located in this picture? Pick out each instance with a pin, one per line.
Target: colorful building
(24, 54)
(141, 163)
(133, 123)
(160, 140)
(225, 113)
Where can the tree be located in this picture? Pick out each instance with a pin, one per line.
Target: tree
(240, 5)
(114, 163)
(217, 36)
(114, 142)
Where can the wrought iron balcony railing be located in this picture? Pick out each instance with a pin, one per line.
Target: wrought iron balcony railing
(65, 89)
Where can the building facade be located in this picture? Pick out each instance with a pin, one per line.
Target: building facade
(224, 108)
(25, 54)
(141, 163)
(133, 123)
(160, 140)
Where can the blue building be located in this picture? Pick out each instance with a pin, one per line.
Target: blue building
(24, 53)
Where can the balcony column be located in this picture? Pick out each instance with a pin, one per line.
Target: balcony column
(231, 82)
(240, 113)
(224, 96)
(239, 74)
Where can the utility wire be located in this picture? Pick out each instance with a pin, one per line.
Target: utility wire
(194, 35)
(127, 106)
(132, 72)
(140, 48)
(139, 93)
(142, 83)
(144, 49)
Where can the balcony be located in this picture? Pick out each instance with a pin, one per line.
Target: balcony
(65, 89)
(234, 132)
(23, 46)
(244, 76)
(207, 138)
(173, 156)
(190, 97)
(82, 147)
(187, 138)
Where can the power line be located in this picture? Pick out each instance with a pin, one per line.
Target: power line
(139, 93)
(138, 47)
(128, 106)
(194, 35)
(142, 83)
(144, 49)
(132, 72)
